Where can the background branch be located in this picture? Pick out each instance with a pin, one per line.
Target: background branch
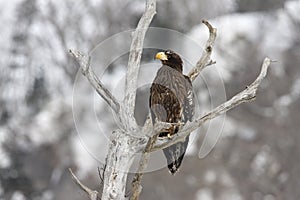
(134, 62)
(245, 96)
(87, 71)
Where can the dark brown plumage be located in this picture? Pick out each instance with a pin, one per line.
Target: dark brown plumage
(172, 100)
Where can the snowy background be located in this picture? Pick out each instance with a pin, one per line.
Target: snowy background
(50, 118)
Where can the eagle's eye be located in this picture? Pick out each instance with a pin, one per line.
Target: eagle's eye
(168, 52)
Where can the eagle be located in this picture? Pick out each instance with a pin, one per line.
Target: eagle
(172, 100)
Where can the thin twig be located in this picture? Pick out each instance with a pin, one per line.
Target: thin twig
(93, 194)
(101, 173)
(134, 63)
(246, 95)
(86, 69)
(205, 59)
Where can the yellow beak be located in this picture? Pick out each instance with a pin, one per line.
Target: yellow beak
(161, 56)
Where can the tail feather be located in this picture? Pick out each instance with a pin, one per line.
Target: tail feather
(175, 154)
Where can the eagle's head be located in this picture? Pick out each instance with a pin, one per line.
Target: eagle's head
(170, 58)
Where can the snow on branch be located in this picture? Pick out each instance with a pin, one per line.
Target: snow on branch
(87, 71)
(246, 95)
(134, 62)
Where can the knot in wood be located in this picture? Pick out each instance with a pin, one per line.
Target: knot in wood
(209, 49)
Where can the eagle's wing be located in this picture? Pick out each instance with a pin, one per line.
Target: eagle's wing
(167, 96)
(163, 103)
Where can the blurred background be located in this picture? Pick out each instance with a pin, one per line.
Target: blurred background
(257, 155)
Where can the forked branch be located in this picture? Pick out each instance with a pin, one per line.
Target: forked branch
(205, 59)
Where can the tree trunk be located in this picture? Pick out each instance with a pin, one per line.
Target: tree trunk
(118, 162)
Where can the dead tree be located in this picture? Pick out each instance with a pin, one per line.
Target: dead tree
(130, 139)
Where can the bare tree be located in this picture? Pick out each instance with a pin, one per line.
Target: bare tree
(131, 139)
